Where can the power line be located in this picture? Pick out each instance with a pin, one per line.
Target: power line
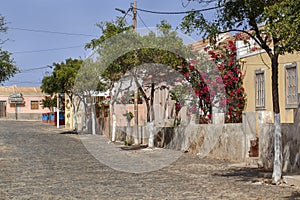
(143, 22)
(179, 12)
(185, 5)
(24, 82)
(52, 32)
(43, 50)
(34, 69)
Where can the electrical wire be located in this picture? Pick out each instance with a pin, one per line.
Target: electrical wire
(178, 13)
(52, 32)
(143, 22)
(43, 50)
(24, 82)
(34, 69)
(187, 4)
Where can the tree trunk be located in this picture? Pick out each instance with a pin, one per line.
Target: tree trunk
(75, 123)
(93, 116)
(85, 128)
(114, 96)
(150, 111)
(152, 101)
(277, 166)
(114, 125)
(150, 124)
(75, 110)
(166, 104)
(144, 95)
(150, 127)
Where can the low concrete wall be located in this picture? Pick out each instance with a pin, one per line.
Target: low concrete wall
(229, 141)
(266, 148)
(25, 116)
(291, 148)
(290, 145)
(221, 141)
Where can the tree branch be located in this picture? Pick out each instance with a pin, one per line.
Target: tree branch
(259, 40)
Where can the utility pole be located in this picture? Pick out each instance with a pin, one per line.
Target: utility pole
(136, 98)
(134, 24)
(57, 110)
(134, 16)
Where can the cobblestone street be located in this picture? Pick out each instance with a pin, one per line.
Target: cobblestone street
(37, 162)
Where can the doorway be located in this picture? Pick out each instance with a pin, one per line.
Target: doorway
(2, 109)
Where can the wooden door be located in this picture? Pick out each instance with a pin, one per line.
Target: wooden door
(2, 109)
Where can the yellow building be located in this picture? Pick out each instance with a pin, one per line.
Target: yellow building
(68, 113)
(258, 81)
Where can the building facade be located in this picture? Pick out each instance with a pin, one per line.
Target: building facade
(22, 103)
(258, 82)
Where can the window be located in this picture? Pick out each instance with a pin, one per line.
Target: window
(291, 85)
(34, 105)
(260, 89)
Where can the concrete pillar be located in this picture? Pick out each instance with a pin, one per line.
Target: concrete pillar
(266, 139)
(249, 130)
(218, 118)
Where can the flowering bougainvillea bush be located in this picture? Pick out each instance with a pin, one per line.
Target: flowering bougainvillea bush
(179, 94)
(128, 98)
(216, 83)
(232, 77)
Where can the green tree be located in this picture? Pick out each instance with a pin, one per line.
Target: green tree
(49, 103)
(7, 65)
(62, 80)
(122, 51)
(63, 77)
(88, 83)
(278, 35)
(113, 71)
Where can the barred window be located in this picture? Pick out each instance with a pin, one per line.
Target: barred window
(291, 85)
(34, 105)
(260, 90)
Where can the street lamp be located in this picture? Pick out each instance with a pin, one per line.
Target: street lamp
(122, 11)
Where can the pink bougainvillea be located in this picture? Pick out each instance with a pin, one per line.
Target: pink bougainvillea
(226, 75)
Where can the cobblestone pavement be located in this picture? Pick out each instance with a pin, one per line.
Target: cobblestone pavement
(37, 162)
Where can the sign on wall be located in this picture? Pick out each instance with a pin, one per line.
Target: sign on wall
(16, 98)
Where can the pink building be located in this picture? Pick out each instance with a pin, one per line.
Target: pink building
(21, 103)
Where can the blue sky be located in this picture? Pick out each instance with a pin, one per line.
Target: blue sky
(67, 16)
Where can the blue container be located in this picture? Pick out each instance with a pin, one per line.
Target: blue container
(61, 116)
(52, 116)
(45, 117)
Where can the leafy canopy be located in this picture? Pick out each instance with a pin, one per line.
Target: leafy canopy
(275, 19)
(62, 78)
(120, 49)
(7, 66)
